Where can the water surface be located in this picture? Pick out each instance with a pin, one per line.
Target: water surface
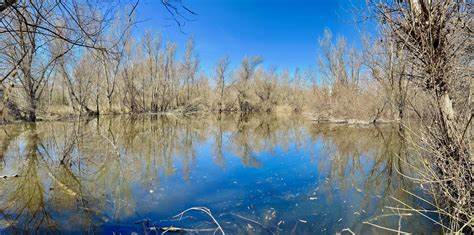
(257, 174)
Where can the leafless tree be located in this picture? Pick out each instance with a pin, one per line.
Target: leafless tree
(152, 46)
(436, 37)
(339, 63)
(112, 61)
(190, 67)
(80, 77)
(221, 70)
(247, 71)
(388, 66)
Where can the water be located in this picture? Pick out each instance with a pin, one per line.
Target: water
(258, 175)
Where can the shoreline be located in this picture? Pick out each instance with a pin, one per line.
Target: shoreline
(177, 113)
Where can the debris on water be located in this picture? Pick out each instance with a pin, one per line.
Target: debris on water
(270, 214)
(280, 223)
(288, 196)
(303, 221)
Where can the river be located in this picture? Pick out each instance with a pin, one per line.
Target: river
(258, 174)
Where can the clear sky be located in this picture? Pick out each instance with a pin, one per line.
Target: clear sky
(283, 32)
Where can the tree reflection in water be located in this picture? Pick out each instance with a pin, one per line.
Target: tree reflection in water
(105, 174)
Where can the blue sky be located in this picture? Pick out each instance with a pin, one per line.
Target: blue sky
(283, 32)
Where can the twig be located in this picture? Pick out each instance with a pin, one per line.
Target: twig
(348, 230)
(467, 127)
(442, 225)
(387, 215)
(205, 210)
(189, 230)
(468, 223)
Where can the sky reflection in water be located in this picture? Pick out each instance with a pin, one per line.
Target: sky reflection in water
(288, 174)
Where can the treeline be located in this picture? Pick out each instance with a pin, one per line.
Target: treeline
(89, 62)
(146, 76)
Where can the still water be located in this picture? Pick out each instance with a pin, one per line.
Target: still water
(257, 175)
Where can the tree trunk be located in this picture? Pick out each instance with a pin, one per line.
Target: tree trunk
(32, 109)
(446, 106)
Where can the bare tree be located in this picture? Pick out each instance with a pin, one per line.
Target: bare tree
(169, 83)
(266, 90)
(339, 64)
(112, 60)
(388, 66)
(437, 39)
(247, 71)
(31, 54)
(190, 67)
(80, 78)
(152, 46)
(28, 28)
(221, 70)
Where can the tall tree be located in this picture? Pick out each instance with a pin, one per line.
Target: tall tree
(221, 70)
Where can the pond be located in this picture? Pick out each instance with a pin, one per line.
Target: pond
(260, 174)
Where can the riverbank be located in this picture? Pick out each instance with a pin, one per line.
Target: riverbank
(311, 116)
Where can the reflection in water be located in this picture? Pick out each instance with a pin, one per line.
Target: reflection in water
(287, 174)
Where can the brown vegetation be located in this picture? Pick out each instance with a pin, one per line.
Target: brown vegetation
(71, 58)
(96, 67)
(435, 38)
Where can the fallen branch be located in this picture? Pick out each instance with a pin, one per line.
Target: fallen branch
(347, 230)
